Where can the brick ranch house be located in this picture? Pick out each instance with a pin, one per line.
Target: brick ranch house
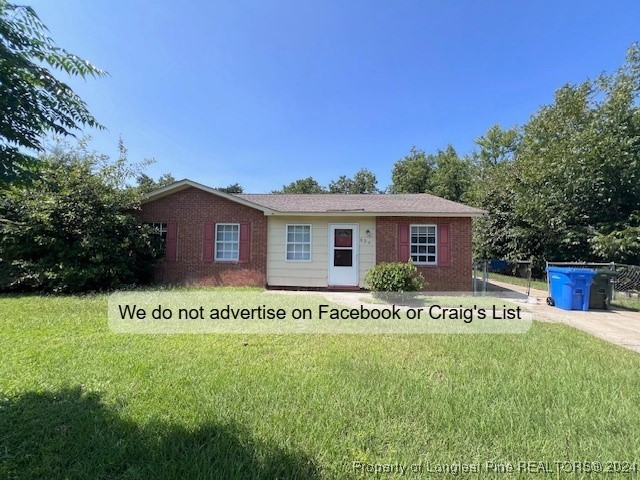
(321, 241)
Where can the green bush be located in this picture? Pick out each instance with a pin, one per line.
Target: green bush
(394, 277)
(72, 229)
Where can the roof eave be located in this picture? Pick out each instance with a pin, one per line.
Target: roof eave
(186, 183)
(377, 214)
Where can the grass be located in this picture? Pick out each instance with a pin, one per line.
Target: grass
(627, 302)
(523, 282)
(78, 401)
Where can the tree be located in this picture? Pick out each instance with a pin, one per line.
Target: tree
(452, 176)
(621, 244)
(32, 101)
(413, 174)
(497, 146)
(72, 229)
(498, 235)
(580, 164)
(494, 187)
(232, 188)
(147, 184)
(444, 174)
(342, 185)
(303, 185)
(569, 189)
(364, 181)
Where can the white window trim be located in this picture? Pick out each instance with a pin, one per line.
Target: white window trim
(434, 263)
(286, 241)
(215, 244)
(159, 226)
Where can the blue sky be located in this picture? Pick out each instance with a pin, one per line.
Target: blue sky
(265, 92)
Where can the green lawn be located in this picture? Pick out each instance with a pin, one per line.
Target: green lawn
(78, 401)
(537, 284)
(622, 300)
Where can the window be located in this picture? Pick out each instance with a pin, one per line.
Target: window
(423, 244)
(343, 247)
(227, 241)
(299, 243)
(161, 228)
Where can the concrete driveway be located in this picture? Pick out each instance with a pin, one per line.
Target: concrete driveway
(621, 327)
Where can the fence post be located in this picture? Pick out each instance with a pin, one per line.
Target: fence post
(613, 282)
(485, 275)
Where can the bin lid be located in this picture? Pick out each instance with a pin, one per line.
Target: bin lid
(606, 272)
(572, 271)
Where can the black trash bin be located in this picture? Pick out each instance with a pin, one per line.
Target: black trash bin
(602, 289)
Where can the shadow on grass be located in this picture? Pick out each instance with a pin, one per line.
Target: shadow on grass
(71, 434)
(405, 299)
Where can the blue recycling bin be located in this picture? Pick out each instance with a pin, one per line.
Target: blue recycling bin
(569, 287)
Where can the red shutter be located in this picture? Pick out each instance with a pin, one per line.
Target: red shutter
(245, 242)
(444, 245)
(403, 242)
(171, 242)
(208, 242)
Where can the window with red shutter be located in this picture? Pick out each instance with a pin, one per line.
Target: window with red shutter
(227, 242)
(423, 244)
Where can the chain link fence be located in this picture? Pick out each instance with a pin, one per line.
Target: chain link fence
(486, 270)
(626, 281)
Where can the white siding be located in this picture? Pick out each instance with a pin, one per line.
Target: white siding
(314, 273)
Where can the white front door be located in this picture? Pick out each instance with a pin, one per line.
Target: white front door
(344, 239)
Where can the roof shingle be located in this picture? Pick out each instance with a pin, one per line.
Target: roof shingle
(410, 203)
(418, 204)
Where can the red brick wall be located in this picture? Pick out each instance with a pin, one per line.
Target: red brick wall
(190, 209)
(456, 277)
